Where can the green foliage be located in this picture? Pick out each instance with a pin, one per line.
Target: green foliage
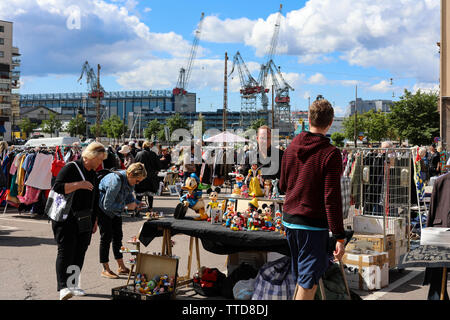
(153, 128)
(377, 125)
(52, 125)
(257, 123)
(338, 139)
(76, 126)
(27, 126)
(113, 127)
(416, 117)
(349, 125)
(176, 122)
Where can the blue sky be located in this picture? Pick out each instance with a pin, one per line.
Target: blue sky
(324, 47)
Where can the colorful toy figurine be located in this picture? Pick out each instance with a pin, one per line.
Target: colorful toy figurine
(240, 180)
(236, 191)
(268, 218)
(254, 223)
(236, 225)
(253, 205)
(230, 213)
(254, 181)
(192, 199)
(244, 218)
(267, 188)
(275, 192)
(278, 221)
(212, 208)
(244, 191)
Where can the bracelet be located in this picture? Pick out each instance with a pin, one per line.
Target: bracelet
(340, 240)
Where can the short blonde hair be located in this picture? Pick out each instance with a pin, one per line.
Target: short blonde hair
(146, 144)
(137, 169)
(94, 150)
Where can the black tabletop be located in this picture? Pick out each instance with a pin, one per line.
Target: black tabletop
(216, 238)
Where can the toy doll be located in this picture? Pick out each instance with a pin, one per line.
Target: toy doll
(236, 225)
(267, 188)
(244, 191)
(275, 192)
(278, 221)
(268, 218)
(254, 181)
(193, 198)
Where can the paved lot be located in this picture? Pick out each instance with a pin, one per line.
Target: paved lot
(28, 254)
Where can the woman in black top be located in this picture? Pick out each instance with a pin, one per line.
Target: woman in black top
(72, 243)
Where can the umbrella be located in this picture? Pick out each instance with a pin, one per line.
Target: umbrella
(226, 137)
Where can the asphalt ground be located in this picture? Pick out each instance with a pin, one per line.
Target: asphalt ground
(28, 255)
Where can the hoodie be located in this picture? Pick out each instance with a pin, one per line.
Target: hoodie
(310, 176)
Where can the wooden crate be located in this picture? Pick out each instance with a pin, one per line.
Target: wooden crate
(150, 265)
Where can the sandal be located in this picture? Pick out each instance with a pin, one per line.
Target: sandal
(125, 271)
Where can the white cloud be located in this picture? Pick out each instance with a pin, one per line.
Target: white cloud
(382, 86)
(147, 9)
(399, 36)
(317, 78)
(109, 34)
(426, 87)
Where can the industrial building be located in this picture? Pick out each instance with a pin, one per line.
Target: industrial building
(138, 108)
(363, 106)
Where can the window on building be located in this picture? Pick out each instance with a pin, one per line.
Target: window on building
(2, 41)
(2, 54)
(2, 28)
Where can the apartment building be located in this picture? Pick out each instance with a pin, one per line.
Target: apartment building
(9, 81)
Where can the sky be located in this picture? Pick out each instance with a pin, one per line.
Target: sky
(373, 49)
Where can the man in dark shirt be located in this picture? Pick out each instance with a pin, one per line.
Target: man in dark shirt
(310, 175)
(165, 159)
(433, 161)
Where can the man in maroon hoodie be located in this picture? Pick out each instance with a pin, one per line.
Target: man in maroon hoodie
(310, 176)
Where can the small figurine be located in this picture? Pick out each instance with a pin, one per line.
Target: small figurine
(244, 191)
(275, 192)
(193, 199)
(236, 191)
(268, 218)
(229, 214)
(212, 207)
(278, 221)
(244, 218)
(267, 188)
(254, 223)
(236, 225)
(240, 180)
(254, 181)
(253, 205)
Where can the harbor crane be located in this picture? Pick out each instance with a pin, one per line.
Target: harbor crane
(185, 73)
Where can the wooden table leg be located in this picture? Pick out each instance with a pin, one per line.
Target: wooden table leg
(129, 275)
(444, 282)
(197, 252)
(322, 289)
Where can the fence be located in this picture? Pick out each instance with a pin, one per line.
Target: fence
(382, 187)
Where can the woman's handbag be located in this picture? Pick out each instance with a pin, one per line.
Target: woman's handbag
(84, 217)
(57, 164)
(58, 205)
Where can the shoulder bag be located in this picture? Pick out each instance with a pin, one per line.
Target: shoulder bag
(84, 217)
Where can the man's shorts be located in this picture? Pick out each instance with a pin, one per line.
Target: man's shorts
(309, 255)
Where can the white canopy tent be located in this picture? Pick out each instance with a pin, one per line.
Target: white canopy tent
(226, 137)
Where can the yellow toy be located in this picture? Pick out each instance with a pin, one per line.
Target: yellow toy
(254, 181)
(193, 199)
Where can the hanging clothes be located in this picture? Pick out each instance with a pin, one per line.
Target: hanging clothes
(41, 175)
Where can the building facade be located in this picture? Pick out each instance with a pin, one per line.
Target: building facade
(138, 108)
(363, 106)
(9, 81)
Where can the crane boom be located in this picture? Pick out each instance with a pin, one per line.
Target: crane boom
(184, 75)
(91, 80)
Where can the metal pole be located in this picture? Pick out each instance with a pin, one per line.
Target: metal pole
(225, 95)
(356, 114)
(97, 124)
(273, 111)
(123, 116)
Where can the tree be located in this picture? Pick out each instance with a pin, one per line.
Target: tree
(416, 117)
(376, 125)
(152, 129)
(257, 123)
(177, 122)
(52, 125)
(76, 126)
(338, 139)
(349, 126)
(113, 127)
(27, 126)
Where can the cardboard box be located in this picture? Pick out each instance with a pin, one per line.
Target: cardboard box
(255, 258)
(151, 266)
(375, 225)
(375, 242)
(366, 270)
